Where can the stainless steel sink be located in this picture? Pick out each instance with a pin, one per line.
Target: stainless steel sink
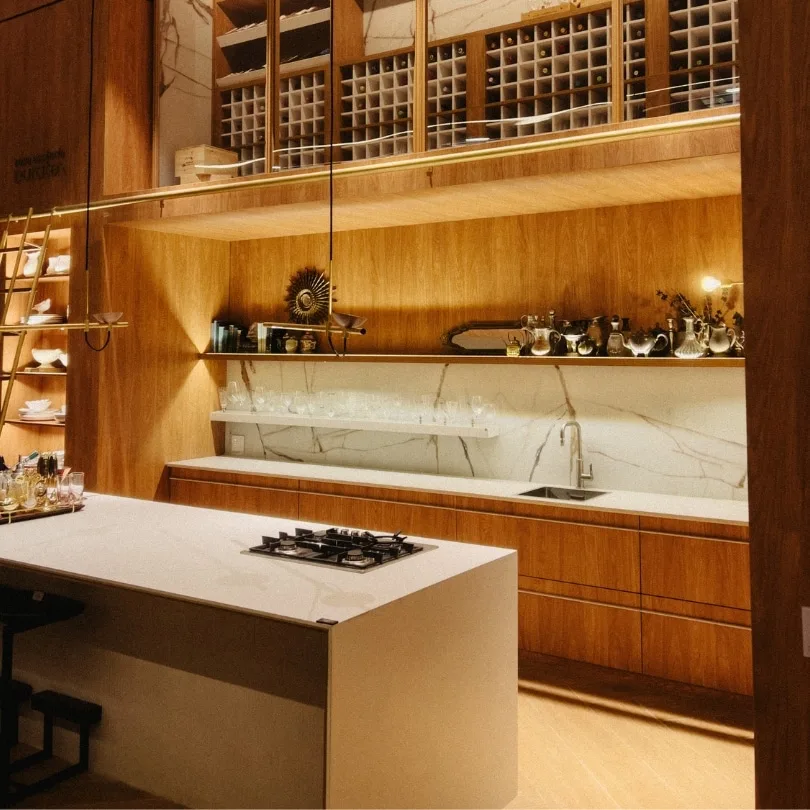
(563, 494)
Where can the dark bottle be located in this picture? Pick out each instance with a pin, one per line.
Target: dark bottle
(638, 71)
(461, 51)
(432, 56)
(638, 54)
(491, 80)
(493, 45)
(580, 81)
(402, 113)
(373, 68)
(543, 52)
(639, 33)
(527, 37)
(545, 34)
(544, 70)
(580, 27)
(600, 78)
(563, 29)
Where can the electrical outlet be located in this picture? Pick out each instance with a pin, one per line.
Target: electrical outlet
(237, 444)
(806, 631)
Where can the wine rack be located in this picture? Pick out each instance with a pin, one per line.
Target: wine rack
(377, 107)
(635, 60)
(244, 126)
(549, 77)
(302, 121)
(447, 95)
(704, 39)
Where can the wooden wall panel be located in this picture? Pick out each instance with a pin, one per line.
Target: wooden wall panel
(697, 570)
(698, 528)
(569, 552)
(381, 516)
(149, 390)
(568, 628)
(775, 64)
(44, 76)
(234, 498)
(415, 283)
(699, 652)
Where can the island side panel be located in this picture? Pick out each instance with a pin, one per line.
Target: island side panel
(435, 722)
(203, 706)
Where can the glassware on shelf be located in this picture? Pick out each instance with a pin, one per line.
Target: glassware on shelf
(691, 347)
(451, 408)
(224, 399)
(237, 396)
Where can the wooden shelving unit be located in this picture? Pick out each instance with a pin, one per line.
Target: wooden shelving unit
(244, 126)
(447, 107)
(376, 107)
(704, 36)
(302, 120)
(549, 77)
(634, 37)
(21, 437)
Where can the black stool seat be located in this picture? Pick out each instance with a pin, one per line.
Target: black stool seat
(22, 610)
(65, 707)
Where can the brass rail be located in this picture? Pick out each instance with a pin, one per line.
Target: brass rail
(426, 161)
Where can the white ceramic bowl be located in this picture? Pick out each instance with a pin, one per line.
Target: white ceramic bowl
(36, 405)
(46, 357)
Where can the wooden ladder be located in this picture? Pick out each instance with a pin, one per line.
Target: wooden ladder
(9, 289)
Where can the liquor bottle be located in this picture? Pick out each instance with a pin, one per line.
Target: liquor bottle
(544, 70)
(638, 71)
(493, 45)
(461, 50)
(563, 30)
(600, 78)
(510, 41)
(432, 56)
(491, 80)
(546, 33)
(580, 27)
(402, 113)
(543, 53)
(615, 341)
(527, 37)
(403, 62)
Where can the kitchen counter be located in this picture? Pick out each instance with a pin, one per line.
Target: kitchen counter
(194, 554)
(220, 688)
(645, 503)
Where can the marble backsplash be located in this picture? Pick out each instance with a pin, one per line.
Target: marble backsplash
(390, 24)
(677, 431)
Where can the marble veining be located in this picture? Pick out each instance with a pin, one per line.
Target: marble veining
(184, 107)
(672, 431)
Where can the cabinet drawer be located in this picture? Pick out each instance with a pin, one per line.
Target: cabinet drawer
(568, 628)
(699, 652)
(234, 497)
(715, 572)
(379, 516)
(568, 552)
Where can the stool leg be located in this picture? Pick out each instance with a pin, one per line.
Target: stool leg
(6, 716)
(84, 747)
(47, 736)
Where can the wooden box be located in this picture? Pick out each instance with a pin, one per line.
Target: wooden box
(186, 160)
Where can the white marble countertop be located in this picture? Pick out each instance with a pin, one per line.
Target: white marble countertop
(194, 554)
(645, 503)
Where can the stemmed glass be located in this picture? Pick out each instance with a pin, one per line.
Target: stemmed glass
(238, 395)
(477, 407)
(261, 398)
(450, 407)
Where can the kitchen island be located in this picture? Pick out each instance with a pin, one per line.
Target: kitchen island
(229, 679)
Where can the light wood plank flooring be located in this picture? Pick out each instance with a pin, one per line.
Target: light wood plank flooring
(589, 737)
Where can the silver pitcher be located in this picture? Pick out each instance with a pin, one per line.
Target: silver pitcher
(641, 343)
(542, 339)
(718, 339)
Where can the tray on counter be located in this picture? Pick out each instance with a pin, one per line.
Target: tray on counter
(18, 515)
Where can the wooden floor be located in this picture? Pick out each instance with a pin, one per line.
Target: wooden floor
(589, 737)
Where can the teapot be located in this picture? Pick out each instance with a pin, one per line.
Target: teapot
(641, 343)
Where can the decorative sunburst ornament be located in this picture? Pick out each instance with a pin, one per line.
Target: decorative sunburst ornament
(308, 296)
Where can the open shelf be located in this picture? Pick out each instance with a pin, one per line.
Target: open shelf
(35, 373)
(486, 359)
(342, 423)
(32, 423)
(297, 21)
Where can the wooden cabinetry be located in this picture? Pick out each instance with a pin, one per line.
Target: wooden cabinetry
(592, 586)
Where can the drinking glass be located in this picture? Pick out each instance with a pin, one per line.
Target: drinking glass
(428, 407)
(489, 413)
(224, 399)
(450, 410)
(300, 403)
(260, 398)
(76, 486)
(287, 401)
(238, 395)
(477, 406)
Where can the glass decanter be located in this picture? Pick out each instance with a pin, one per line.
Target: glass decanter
(691, 347)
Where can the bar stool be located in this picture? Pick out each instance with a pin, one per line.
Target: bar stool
(21, 611)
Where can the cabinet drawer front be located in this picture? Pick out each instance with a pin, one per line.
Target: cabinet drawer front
(568, 552)
(699, 652)
(568, 628)
(234, 498)
(715, 572)
(379, 516)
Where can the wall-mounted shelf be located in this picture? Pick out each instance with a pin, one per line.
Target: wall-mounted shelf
(31, 422)
(625, 362)
(247, 33)
(35, 373)
(340, 423)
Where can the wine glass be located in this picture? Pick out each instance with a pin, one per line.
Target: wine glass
(76, 486)
(224, 399)
(260, 398)
(451, 408)
(477, 406)
(238, 395)
(287, 401)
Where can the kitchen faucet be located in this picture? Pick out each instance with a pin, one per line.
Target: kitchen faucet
(582, 476)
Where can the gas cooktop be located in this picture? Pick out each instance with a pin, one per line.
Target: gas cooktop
(341, 548)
